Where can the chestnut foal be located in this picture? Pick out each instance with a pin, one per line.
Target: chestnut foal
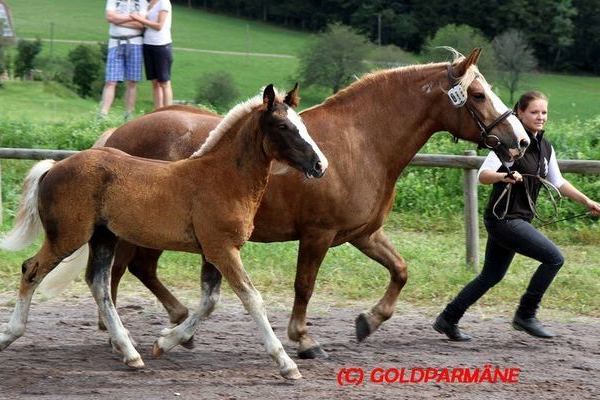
(204, 204)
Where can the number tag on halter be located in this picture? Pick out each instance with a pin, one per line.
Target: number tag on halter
(458, 96)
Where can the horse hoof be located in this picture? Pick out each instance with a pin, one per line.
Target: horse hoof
(136, 363)
(189, 344)
(312, 353)
(157, 351)
(363, 330)
(292, 374)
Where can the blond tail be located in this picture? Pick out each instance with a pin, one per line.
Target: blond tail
(60, 277)
(27, 224)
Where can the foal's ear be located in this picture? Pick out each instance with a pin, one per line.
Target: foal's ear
(269, 96)
(463, 66)
(292, 99)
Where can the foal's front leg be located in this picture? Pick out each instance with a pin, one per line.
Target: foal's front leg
(230, 265)
(102, 248)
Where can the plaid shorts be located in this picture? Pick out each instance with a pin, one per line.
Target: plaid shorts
(124, 63)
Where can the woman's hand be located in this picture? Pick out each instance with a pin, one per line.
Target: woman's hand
(594, 207)
(513, 177)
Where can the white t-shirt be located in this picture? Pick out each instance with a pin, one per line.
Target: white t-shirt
(126, 7)
(162, 37)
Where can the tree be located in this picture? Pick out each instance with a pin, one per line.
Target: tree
(462, 38)
(514, 57)
(334, 58)
(26, 53)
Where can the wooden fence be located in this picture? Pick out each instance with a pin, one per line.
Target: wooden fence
(469, 162)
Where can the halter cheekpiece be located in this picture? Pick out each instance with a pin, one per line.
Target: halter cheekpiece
(458, 98)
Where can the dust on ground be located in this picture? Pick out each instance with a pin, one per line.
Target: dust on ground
(63, 356)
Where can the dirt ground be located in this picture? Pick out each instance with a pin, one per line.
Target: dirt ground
(63, 356)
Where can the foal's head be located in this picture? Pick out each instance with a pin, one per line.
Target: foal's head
(481, 116)
(285, 137)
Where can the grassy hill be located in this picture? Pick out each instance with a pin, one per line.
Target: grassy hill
(83, 20)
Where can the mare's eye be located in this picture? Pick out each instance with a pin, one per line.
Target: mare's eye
(479, 96)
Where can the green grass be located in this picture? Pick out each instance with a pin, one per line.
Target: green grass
(570, 96)
(436, 272)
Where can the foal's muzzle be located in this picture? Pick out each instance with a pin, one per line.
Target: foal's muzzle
(316, 171)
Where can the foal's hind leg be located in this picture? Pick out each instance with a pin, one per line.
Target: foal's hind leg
(378, 247)
(102, 247)
(311, 252)
(230, 265)
(33, 271)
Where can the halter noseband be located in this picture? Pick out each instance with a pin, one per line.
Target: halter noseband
(458, 98)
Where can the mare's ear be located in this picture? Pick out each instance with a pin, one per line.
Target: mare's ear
(292, 99)
(462, 67)
(269, 96)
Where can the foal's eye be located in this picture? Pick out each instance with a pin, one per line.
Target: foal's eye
(282, 126)
(479, 96)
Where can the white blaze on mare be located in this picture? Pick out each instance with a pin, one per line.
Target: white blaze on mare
(297, 121)
(501, 108)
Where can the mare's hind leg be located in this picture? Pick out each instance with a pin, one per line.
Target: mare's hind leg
(143, 266)
(102, 247)
(230, 265)
(378, 247)
(311, 252)
(33, 271)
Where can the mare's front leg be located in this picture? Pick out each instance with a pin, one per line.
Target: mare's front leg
(33, 271)
(230, 265)
(379, 248)
(102, 249)
(311, 252)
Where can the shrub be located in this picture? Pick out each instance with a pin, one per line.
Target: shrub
(26, 54)
(217, 89)
(87, 69)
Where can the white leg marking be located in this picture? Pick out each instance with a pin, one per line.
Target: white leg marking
(253, 302)
(16, 326)
(118, 334)
(171, 337)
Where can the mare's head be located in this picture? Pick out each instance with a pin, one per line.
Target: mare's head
(285, 137)
(477, 114)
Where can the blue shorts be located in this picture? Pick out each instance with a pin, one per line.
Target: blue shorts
(158, 61)
(124, 63)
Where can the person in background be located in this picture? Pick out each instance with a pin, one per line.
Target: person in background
(158, 52)
(508, 219)
(124, 58)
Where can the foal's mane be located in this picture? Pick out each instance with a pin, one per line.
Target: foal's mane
(231, 118)
(406, 73)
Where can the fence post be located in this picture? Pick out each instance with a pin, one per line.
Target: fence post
(0, 194)
(471, 215)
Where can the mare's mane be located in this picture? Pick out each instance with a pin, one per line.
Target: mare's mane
(231, 118)
(406, 73)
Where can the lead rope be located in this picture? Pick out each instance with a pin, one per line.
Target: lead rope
(546, 184)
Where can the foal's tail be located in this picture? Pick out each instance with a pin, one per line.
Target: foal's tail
(27, 224)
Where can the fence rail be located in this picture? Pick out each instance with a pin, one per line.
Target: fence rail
(469, 162)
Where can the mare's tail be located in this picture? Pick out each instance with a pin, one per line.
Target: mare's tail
(27, 224)
(60, 277)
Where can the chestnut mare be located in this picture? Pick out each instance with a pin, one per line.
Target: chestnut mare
(204, 204)
(370, 130)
